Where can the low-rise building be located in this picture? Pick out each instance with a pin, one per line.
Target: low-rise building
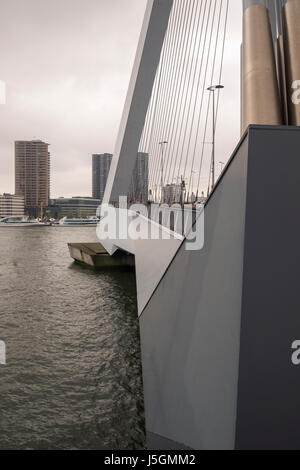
(73, 207)
(11, 205)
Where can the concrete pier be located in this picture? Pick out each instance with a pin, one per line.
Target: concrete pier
(95, 255)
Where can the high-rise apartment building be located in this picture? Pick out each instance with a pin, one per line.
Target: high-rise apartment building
(32, 173)
(138, 190)
(101, 166)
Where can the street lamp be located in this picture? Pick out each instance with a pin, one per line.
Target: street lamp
(213, 89)
(192, 181)
(164, 142)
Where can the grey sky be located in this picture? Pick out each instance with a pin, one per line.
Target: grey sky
(67, 64)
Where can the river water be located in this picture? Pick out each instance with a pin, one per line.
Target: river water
(73, 373)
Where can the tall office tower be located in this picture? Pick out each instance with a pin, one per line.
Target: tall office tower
(138, 191)
(32, 173)
(172, 193)
(101, 166)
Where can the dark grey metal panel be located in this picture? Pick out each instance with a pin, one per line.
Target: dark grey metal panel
(155, 442)
(268, 414)
(190, 329)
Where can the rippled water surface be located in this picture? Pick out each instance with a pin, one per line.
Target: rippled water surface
(73, 373)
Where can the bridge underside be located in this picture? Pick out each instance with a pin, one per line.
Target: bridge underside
(216, 335)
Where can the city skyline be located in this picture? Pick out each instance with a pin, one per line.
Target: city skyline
(76, 63)
(74, 83)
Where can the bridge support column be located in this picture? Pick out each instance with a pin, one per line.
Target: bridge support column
(261, 102)
(291, 18)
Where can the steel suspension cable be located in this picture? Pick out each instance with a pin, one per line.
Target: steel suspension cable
(207, 115)
(211, 82)
(156, 116)
(194, 64)
(186, 26)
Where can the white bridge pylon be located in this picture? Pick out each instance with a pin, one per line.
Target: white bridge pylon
(149, 269)
(147, 59)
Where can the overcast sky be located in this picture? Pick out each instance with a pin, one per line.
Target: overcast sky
(67, 64)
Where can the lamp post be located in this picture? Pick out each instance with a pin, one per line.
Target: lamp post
(213, 89)
(192, 181)
(162, 144)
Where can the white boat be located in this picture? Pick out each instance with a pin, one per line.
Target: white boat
(79, 221)
(19, 222)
